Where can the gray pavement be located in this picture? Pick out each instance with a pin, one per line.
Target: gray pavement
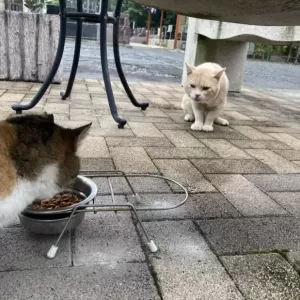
(161, 65)
(237, 237)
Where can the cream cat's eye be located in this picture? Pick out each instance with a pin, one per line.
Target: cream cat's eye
(205, 88)
(192, 86)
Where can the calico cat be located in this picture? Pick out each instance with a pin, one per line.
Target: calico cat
(37, 160)
(206, 90)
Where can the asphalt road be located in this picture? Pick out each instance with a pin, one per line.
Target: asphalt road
(161, 65)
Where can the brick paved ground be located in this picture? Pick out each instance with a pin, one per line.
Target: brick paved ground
(238, 237)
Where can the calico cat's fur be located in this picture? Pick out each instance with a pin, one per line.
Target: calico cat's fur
(37, 160)
(206, 90)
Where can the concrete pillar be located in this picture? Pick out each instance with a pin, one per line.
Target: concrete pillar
(2, 5)
(191, 46)
(229, 54)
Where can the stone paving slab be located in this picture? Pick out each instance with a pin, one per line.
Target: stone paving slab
(183, 152)
(264, 277)
(106, 282)
(20, 250)
(287, 139)
(236, 116)
(112, 132)
(252, 235)
(220, 132)
(185, 173)
(106, 238)
(93, 147)
(96, 164)
(274, 161)
(225, 149)
(138, 142)
(198, 206)
(132, 160)
(246, 197)
(278, 129)
(145, 130)
(276, 182)
(181, 138)
(251, 144)
(289, 154)
(185, 266)
(229, 166)
(149, 185)
(220, 169)
(252, 133)
(294, 258)
(120, 186)
(289, 200)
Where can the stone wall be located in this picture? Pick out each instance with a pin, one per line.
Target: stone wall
(28, 44)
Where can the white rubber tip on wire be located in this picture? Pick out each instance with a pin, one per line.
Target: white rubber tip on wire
(153, 248)
(52, 251)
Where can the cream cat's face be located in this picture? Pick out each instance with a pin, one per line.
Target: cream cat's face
(202, 85)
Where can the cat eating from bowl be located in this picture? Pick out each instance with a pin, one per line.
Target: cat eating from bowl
(37, 160)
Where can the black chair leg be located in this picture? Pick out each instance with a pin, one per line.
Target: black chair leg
(66, 94)
(104, 64)
(59, 53)
(142, 105)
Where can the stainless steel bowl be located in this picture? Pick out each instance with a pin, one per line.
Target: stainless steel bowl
(53, 221)
(83, 186)
(52, 226)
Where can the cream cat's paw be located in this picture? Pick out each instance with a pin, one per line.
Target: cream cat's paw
(196, 127)
(221, 121)
(207, 128)
(189, 118)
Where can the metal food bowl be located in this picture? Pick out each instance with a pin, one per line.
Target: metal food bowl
(53, 221)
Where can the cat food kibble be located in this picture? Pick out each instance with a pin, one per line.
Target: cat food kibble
(60, 200)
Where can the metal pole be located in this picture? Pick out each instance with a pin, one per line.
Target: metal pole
(148, 25)
(297, 54)
(161, 24)
(176, 31)
(290, 52)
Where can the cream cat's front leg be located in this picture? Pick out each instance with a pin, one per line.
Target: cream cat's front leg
(199, 116)
(211, 116)
(187, 107)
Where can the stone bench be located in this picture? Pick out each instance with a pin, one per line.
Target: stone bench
(227, 44)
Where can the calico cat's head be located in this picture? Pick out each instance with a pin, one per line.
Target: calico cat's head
(202, 83)
(40, 143)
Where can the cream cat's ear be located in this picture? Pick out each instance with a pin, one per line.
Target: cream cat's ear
(189, 68)
(220, 73)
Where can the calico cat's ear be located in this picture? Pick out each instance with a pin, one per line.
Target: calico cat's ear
(80, 133)
(189, 68)
(220, 73)
(50, 117)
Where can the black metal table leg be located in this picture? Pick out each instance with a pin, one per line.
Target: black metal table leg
(104, 64)
(66, 94)
(142, 105)
(59, 53)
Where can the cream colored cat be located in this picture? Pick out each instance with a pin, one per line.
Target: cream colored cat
(206, 90)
